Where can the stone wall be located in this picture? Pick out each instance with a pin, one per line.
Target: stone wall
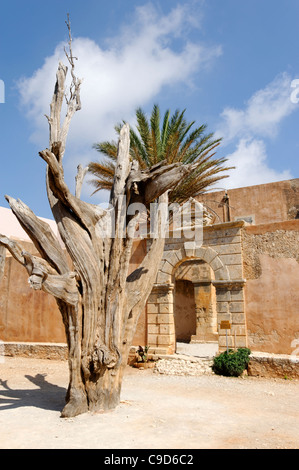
(221, 250)
(280, 202)
(27, 315)
(271, 269)
(255, 274)
(33, 316)
(266, 365)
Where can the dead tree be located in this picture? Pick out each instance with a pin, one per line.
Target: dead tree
(99, 302)
(2, 261)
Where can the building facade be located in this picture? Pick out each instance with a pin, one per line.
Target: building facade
(237, 286)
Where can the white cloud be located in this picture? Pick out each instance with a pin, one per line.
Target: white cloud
(249, 129)
(263, 112)
(134, 68)
(252, 167)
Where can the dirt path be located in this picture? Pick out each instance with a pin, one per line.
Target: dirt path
(157, 411)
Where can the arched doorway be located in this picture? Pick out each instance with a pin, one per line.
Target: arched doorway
(195, 315)
(184, 311)
(226, 279)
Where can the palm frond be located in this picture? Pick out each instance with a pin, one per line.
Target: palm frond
(104, 173)
(172, 141)
(138, 150)
(164, 132)
(156, 133)
(109, 149)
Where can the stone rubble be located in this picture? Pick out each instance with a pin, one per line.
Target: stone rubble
(260, 365)
(184, 367)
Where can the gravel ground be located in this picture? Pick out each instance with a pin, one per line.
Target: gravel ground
(157, 410)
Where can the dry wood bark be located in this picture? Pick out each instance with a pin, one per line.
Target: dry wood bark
(2, 261)
(99, 302)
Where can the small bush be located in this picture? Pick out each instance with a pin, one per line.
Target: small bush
(231, 363)
(142, 354)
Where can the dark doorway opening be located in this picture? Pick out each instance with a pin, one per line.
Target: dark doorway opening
(184, 311)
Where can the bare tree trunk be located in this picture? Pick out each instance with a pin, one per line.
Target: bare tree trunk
(99, 302)
(2, 261)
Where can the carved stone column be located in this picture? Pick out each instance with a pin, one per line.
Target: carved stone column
(161, 330)
(231, 308)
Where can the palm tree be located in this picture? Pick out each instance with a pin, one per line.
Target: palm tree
(174, 141)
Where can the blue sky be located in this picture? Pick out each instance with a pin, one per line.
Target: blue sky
(230, 63)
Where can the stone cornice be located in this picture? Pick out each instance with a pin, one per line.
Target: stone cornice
(229, 284)
(225, 225)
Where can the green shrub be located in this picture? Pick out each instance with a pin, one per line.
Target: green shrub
(231, 363)
(142, 354)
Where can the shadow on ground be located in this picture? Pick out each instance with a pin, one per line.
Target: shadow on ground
(47, 396)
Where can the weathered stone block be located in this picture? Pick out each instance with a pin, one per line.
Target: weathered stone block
(164, 318)
(166, 267)
(152, 340)
(181, 254)
(221, 274)
(152, 298)
(163, 278)
(224, 240)
(165, 297)
(278, 366)
(200, 252)
(190, 249)
(236, 307)
(171, 257)
(165, 308)
(222, 307)
(165, 340)
(152, 318)
(54, 351)
(152, 308)
(238, 318)
(240, 330)
(172, 244)
(209, 255)
(232, 248)
(231, 259)
(237, 295)
(153, 329)
(229, 232)
(161, 351)
(223, 317)
(222, 341)
(167, 329)
(216, 263)
(224, 296)
(235, 271)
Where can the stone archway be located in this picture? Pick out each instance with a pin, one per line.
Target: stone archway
(195, 278)
(229, 294)
(184, 310)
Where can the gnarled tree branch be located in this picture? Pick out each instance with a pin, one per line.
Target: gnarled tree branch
(88, 214)
(41, 235)
(81, 173)
(13, 247)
